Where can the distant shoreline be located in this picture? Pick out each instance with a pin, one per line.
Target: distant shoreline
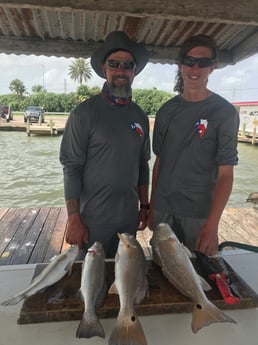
(18, 124)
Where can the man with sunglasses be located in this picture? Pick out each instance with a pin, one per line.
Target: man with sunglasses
(105, 151)
(195, 143)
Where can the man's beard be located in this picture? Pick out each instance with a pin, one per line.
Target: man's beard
(123, 91)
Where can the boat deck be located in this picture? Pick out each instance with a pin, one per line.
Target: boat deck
(34, 235)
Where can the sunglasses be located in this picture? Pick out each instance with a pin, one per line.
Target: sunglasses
(190, 61)
(115, 64)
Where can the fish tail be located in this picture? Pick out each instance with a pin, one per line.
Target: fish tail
(90, 326)
(127, 331)
(13, 300)
(206, 314)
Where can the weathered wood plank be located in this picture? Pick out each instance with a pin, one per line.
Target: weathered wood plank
(12, 226)
(57, 239)
(34, 235)
(31, 232)
(3, 212)
(44, 240)
(239, 225)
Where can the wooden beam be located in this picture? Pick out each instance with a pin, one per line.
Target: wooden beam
(76, 49)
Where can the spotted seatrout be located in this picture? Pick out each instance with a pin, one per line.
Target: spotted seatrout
(58, 267)
(177, 267)
(93, 290)
(132, 286)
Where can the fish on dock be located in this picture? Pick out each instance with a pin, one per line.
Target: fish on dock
(58, 267)
(174, 261)
(93, 290)
(131, 285)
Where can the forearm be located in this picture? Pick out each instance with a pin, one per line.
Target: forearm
(143, 193)
(73, 207)
(221, 194)
(155, 172)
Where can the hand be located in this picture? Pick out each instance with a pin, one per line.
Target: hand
(142, 219)
(207, 240)
(77, 232)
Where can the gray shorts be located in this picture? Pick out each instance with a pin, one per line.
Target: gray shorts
(107, 236)
(185, 228)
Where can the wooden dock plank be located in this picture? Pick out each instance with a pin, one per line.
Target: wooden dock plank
(33, 225)
(12, 227)
(34, 235)
(44, 240)
(57, 239)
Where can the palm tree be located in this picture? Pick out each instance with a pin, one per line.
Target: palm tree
(80, 69)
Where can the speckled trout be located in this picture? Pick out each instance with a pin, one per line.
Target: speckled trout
(58, 267)
(132, 286)
(175, 263)
(93, 290)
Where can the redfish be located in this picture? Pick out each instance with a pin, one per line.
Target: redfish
(177, 267)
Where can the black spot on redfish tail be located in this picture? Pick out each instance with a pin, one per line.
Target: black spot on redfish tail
(206, 314)
(127, 331)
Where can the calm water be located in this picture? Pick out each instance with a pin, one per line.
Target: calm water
(31, 175)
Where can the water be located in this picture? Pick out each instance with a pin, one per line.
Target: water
(31, 175)
(30, 172)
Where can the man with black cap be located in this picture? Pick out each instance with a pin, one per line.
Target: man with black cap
(105, 151)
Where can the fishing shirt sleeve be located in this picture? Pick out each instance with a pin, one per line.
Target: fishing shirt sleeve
(145, 157)
(73, 151)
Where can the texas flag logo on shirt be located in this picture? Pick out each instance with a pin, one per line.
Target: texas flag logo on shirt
(137, 128)
(201, 126)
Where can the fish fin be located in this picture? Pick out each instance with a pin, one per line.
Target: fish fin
(207, 314)
(69, 268)
(79, 295)
(127, 331)
(90, 326)
(14, 300)
(187, 251)
(205, 285)
(113, 289)
(142, 291)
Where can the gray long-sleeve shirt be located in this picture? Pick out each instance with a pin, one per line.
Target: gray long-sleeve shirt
(105, 151)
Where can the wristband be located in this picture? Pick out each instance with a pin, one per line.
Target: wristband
(144, 206)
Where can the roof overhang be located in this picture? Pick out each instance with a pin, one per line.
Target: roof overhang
(71, 28)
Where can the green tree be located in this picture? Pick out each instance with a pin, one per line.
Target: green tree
(38, 89)
(150, 100)
(16, 86)
(80, 70)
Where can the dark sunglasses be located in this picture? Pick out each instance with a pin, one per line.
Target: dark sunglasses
(190, 61)
(114, 64)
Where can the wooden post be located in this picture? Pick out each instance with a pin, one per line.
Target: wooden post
(243, 130)
(254, 136)
(51, 127)
(255, 124)
(28, 129)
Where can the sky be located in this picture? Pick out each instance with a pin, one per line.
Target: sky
(236, 83)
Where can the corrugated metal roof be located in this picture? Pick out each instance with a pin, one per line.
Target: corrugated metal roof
(75, 28)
